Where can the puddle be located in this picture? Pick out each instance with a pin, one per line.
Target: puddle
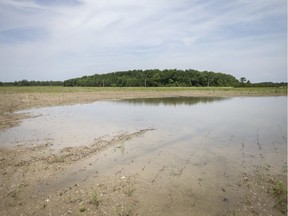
(189, 164)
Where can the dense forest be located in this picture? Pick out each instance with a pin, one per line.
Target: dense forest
(267, 84)
(32, 83)
(152, 78)
(155, 78)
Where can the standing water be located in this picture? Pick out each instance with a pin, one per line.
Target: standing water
(191, 162)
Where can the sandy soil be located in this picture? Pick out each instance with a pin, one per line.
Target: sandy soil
(27, 170)
(32, 183)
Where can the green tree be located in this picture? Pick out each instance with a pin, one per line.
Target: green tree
(243, 80)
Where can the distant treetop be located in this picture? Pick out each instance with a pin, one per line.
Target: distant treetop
(155, 78)
(152, 78)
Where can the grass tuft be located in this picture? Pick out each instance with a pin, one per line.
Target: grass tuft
(95, 200)
(280, 194)
(82, 209)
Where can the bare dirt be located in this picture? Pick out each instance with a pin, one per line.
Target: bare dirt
(27, 170)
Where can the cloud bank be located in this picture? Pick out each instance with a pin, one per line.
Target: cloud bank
(61, 39)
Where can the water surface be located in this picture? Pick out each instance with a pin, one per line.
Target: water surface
(191, 162)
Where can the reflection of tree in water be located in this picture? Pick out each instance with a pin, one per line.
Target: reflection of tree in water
(172, 101)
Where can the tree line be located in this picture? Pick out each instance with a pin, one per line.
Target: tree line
(267, 84)
(155, 78)
(32, 83)
(152, 78)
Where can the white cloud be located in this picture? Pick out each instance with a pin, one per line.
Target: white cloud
(240, 37)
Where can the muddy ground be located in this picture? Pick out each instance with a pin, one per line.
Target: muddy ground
(28, 170)
(12, 101)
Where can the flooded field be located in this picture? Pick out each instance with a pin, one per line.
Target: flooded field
(160, 156)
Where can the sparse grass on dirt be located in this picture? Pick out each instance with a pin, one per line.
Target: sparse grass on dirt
(95, 200)
(280, 194)
(61, 89)
(82, 209)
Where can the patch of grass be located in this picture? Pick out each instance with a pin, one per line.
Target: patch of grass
(82, 209)
(280, 194)
(15, 192)
(61, 89)
(95, 200)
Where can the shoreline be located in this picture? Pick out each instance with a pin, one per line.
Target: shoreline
(20, 98)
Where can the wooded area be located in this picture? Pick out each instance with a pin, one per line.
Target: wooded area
(32, 83)
(155, 78)
(152, 78)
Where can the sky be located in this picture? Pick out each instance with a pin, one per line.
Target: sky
(62, 39)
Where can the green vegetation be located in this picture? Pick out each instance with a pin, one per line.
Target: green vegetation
(82, 209)
(280, 194)
(14, 193)
(267, 84)
(32, 83)
(151, 78)
(208, 90)
(95, 200)
(155, 78)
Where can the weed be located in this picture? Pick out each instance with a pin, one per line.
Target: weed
(82, 209)
(279, 188)
(15, 192)
(95, 200)
(280, 194)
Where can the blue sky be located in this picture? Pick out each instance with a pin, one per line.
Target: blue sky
(62, 39)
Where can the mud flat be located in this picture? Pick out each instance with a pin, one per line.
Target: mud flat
(165, 156)
(33, 180)
(75, 181)
(19, 98)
